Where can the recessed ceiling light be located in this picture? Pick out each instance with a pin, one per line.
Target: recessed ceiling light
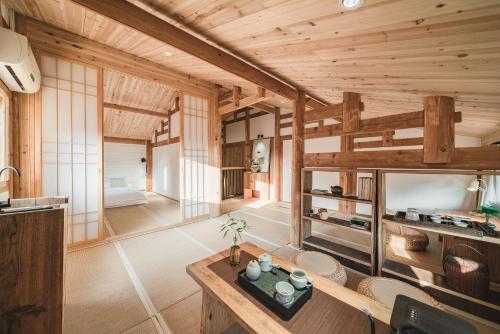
(351, 4)
(168, 54)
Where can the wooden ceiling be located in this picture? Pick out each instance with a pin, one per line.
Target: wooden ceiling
(134, 92)
(394, 52)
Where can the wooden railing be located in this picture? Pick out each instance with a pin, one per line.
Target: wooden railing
(232, 181)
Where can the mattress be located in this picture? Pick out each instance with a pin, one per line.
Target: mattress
(123, 196)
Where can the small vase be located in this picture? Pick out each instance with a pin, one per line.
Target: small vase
(234, 255)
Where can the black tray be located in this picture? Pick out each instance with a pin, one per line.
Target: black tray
(266, 296)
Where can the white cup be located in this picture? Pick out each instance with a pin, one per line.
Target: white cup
(284, 292)
(299, 278)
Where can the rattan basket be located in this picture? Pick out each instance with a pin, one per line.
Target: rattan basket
(466, 275)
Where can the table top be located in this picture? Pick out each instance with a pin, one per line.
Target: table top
(332, 309)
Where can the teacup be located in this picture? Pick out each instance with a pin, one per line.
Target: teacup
(299, 278)
(266, 262)
(284, 292)
(436, 219)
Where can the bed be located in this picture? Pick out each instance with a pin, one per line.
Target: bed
(118, 194)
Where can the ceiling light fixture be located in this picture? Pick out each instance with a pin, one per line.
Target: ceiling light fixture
(351, 4)
(168, 54)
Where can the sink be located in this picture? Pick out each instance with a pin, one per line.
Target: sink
(25, 209)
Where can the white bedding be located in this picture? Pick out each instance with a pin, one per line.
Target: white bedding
(123, 196)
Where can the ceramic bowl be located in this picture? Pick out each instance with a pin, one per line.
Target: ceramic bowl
(284, 292)
(298, 278)
(460, 224)
(436, 219)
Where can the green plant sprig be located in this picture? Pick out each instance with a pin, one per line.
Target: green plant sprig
(236, 226)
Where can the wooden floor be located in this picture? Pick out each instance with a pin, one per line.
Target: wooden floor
(139, 284)
(159, 211)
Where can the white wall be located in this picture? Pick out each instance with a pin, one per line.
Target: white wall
(424, 192)
(166, 170)
(124, 160)
(235, 132)
(262, 125)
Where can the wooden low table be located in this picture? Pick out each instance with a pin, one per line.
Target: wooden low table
(332, 308)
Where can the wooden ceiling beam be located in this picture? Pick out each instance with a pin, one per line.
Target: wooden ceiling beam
(245, 102)
(69, 45)
(134, 110)
(394, 143)
(491, 138)
(147, 23)
(119, 140)
(470, 158)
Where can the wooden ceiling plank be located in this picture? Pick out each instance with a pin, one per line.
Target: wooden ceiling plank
(147, 23)
(135, 110)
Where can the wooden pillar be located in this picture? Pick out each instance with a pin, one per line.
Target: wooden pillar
(215, 156)
(347, 180)
(439, 129)
(277, 158)
(299, 106)
(149, 166)
(351, 115)
(248, 146)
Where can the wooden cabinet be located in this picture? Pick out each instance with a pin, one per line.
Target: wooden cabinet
(31, 271)
(256, 185)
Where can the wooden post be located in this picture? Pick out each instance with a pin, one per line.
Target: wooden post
(351, 112)
(439, 129)
(149, 166)
(215, 156)
(248, 147)
(347, 180)
(297, 164)
(277, 158)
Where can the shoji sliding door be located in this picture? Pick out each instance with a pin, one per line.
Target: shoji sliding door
(71, 142)
(194, 157)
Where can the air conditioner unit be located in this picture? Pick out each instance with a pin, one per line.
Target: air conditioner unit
(18, 67)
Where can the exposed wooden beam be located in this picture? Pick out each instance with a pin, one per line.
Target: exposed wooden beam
(298, 110)
(166, 142)
(286, 116)
(135, 110)
(394, 143)
(244, 103)
(239, 119)
(374, 134)
(61, 42)
(331, 111)
(124, 140)
(236, 95)
(264, 107)
(470, 158)
(351, 112)
(491, 138)
(147, 23)
(439, 129)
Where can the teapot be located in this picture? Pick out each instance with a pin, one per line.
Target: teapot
(253, 270)
(266, 262)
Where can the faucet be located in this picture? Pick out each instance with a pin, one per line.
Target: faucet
(6, 204)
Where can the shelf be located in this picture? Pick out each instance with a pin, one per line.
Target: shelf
(341, 250)
(444, 229)
(336, 221)
(340, 198)
(435, 285)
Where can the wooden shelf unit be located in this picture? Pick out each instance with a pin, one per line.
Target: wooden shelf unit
(420, 276)
(355, 259)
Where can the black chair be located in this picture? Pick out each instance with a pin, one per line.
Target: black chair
(409, 316)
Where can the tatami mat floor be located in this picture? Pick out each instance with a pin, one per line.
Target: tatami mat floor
(140, 285)
(159, 211)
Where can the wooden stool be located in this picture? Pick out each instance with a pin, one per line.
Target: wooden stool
(321, 264)
(408, 238)
(385, 290)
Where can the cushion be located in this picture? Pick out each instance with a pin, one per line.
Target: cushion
(385, 290)
(321, 264)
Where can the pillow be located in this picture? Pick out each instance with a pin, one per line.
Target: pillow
(117, 182)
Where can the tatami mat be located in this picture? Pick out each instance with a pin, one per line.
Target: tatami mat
(159, 211)
(146, 327)
(185, 316)
(99, 295)
(160, 261)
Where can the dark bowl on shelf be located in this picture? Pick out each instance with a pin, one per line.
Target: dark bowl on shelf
(337, 190)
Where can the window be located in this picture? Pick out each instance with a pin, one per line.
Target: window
(4, 134)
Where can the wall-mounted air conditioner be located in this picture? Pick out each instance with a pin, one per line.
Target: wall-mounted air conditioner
(18, 67)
